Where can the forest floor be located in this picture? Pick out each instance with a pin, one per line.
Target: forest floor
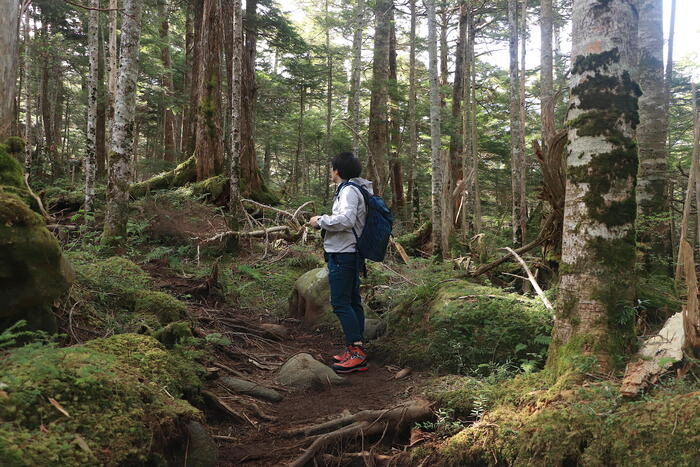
(260, 439)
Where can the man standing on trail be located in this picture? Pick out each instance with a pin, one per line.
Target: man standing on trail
(341, 230)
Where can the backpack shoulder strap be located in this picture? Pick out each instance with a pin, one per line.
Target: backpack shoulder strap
(362, 190)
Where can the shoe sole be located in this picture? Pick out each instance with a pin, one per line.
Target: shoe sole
(351, 370)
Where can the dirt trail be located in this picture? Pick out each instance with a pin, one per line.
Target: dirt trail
(260, 442)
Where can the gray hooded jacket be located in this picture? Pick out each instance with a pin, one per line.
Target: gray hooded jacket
(349, 210)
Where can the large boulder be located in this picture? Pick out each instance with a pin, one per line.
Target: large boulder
(33, 271)
(310, 299)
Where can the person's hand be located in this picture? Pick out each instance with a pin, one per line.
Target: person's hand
(314, 222)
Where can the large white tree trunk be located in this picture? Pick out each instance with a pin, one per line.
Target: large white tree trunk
(652, 194)
(236, 54)
(356, 76)
(595, 315)
(91, 139)
(122, 145)
(9, 17)
(435, 129)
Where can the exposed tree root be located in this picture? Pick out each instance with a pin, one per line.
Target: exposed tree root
(364, 424)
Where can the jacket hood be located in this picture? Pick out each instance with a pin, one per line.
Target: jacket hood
(364, 183)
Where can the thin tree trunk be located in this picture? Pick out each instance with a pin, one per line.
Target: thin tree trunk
(329, 95)
(169, 148)
(668, 80)
(395, 128)
(9, 59)
(457, 133)
(27, 97)
(356, 76)
(695, 162)
(546, 74)
(296, 169)
(101, 130)
(473, 127)
(597, 287)
(117, 211)
(187, 140)
(91, 136)
(515, 128)
(209, 147)
(436, 193)
(522, 192)
(378, 111)
(412, 130)
(112, 67)
(652, 189)
(236, 72)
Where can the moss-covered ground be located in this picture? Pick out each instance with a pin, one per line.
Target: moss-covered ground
(113, 401)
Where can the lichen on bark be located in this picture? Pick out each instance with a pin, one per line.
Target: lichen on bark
(593, 320)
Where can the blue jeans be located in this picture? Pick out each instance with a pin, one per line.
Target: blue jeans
(344, 281)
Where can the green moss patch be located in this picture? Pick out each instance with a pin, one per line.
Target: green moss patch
(122, 396)
(581, 425)
(459, 325)
(115, 294)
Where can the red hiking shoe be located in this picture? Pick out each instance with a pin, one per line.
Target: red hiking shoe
(342, 356)
(356, 361)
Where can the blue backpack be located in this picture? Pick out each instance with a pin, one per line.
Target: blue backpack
(374, 239)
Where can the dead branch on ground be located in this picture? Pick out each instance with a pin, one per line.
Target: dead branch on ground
(531, 278)
(364, 424)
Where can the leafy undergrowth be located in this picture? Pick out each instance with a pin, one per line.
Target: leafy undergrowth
(111, 401)
(528, 421)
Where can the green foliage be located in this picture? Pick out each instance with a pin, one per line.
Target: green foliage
(122, 396)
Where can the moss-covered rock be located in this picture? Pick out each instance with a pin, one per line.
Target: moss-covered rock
(459, 325)
(121, 397)
(11, 171)
(581, 425)
(413, 241)
(161, 305)
(310, 299)
(33, 271)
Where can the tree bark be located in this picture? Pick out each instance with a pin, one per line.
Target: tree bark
(412, 124)
(436, 193)
(237, 52)
(9, 59)
(652, 189)
(515, 122)
(329, 91)
(27, 97)
(112, 68)
(444, 49)
(209, 147)
(457, 133)
(395, 127)
(194, 17)
(668, 81)
(597, 288)
(169, 148)
(522, 192)
(250, 175)
(356, 76)
(91, 135)
(473, 128)
(117, 211)
(102, 96)
(378, 111)
(546, 74)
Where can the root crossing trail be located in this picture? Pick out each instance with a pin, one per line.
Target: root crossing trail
(254, 432)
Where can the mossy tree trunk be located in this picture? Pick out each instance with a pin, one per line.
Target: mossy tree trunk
(236, 53)
(8, 64)
(209, 147)
(594, 321)
(117, 211)
(652, 189)
(378, 108)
